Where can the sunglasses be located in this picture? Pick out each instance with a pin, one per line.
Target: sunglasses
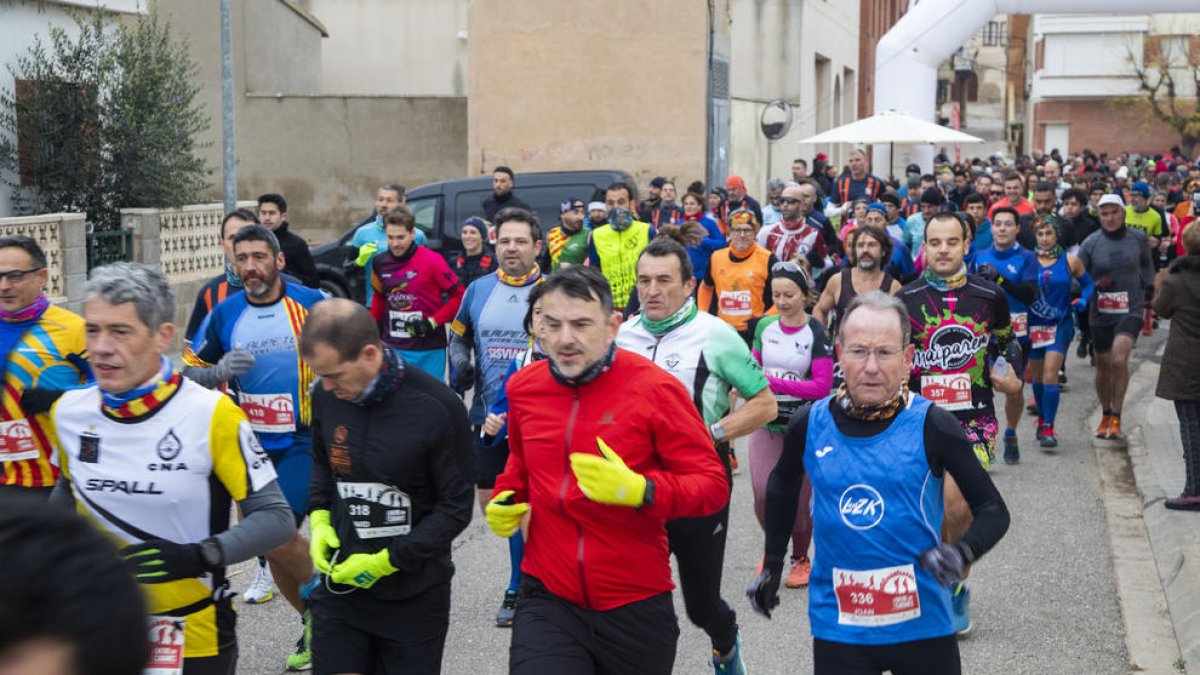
(789, 200)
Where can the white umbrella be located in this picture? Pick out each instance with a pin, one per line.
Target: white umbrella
(892, 126)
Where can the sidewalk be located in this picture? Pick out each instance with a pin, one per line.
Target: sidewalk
(1156, 454)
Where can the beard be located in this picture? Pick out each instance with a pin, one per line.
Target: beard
(868, 264)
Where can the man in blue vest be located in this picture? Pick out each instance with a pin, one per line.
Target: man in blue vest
(879, 595)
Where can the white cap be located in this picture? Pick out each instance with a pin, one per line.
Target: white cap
(1123, 172)
(1111, 199)
(597, 206)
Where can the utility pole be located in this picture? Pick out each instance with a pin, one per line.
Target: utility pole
(228, 141)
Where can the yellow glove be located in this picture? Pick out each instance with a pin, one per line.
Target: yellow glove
(324, 540)
(606, 479)
(503, 516)
(363, 569)
(364, 254)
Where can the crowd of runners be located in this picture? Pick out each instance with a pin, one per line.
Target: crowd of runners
(583, 383)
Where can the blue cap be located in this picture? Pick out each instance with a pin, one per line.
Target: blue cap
(877, 206)
(1141, 187)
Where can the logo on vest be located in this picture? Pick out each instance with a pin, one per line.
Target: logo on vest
(951, 347)
(169, 446)
(861, 507)
(672, 361)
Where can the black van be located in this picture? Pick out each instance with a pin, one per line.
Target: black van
(440, 208)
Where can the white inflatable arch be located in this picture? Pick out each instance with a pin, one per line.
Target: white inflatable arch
(907, 57)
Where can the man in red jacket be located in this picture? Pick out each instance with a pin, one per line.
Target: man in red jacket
(599, 486)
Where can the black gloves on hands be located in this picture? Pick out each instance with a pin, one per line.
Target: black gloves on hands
(158, 561)
(764, 591)
(945, 562)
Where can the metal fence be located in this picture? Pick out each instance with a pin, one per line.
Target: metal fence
(109, 246)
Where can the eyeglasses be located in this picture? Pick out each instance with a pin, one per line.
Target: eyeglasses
(861, 354)
(17, 276)
(789, 200)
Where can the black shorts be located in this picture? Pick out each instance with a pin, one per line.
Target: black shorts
(1104, 336)
(489, 461)
(553, 635)
(224, 663)
(357, 633)
(932, 656)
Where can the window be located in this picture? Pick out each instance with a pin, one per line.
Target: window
(425, 211)
(995, 34)
(55, 130)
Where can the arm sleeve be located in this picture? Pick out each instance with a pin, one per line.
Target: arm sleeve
(809, 390)
(454, 295)
(207, 347)
(692, 482)
(1025, 291)
(705, 298)
(947, 448)
(448, 461)
(1087, 287)
(783, 486)
(715, 239)
(266, 523)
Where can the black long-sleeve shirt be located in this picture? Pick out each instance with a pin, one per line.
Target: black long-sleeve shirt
(416, 441)
(946, 449)
(297, 260)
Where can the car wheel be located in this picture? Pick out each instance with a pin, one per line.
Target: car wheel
(333, 288)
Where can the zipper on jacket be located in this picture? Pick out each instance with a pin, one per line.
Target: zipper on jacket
(562, 499)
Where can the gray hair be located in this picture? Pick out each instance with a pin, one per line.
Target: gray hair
(879, 301)
(147, 288)
(775, 184)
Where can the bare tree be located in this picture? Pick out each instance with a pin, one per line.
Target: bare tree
(1158, 74)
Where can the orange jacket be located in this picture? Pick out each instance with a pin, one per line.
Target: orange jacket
(737, 289)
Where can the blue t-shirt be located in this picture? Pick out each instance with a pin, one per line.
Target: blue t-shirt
(274, 393)
(1017, 264)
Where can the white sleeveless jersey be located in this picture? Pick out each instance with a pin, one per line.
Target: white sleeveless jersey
(154, 479)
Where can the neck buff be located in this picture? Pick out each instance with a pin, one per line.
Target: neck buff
(532, 276)
(620, 220)
(956, 280)
(1050, 252)
(590, 373)
(34, 311)
(872, 413)
(391, 374)
(667, 324)
(231, 278)
(144, 399)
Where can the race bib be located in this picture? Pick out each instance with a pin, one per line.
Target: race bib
(950, 392)
(269, 413)
(376, 509)
(1113, 303)
(398, 321)
(1042, 336)
(735, 303)
(166, 646)
(16, 441)
(1020, 324)
(879, 597)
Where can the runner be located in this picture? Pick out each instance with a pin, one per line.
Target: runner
(1051, 326)
(879, 596)
(737, 286)
(615, 245)
(713, 240)
(857, 181)
(171, 514)
(477, 259)
(870, 247)
(489, 323)
(596, 588)
(41, 345)
(794, 352)
(961, 327)
(1119, 262)
(798, 235)
(415, 295)
(265, 320)
(707, 356)
(1014, 269)
(390, 491)
(568, 241)
(1140, 215)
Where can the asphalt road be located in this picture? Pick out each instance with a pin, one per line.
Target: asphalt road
(1044, 600)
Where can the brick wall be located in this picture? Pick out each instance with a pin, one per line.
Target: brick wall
(1102, 125)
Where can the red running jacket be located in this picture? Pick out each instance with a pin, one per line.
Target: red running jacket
(597, 556)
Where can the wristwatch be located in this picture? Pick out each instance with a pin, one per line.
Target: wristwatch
(717, 431)
(210, 552)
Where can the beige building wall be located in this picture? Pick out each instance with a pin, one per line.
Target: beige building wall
(394, 47)
(805, 52)
(619, 84)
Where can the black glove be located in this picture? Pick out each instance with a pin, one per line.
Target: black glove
(418, 327)
(158, 561)
(764, 591)
(466, 375)
(989, 272)
(945, 563)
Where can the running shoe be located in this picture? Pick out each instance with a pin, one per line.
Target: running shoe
(1183, 503)
(960, 602)
(1102, 430)
(1114, 430)
(508, 610)
(1062, 376)
(733, 463)
(1082, 350)
(1041, 427)
(1012, 453)
(1048, 438)
(731, 663)
(798, 576)
(261, 588)
(301, 659)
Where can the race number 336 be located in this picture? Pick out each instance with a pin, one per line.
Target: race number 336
(879, 597)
